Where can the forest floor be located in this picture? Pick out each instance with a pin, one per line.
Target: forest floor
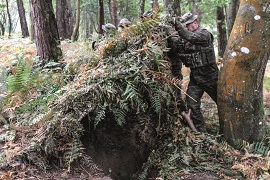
(11, 48)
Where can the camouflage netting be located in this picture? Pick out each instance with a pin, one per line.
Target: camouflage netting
(127, 76)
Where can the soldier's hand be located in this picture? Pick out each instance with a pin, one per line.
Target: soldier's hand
(179, 26)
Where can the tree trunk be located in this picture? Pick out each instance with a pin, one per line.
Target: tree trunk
(87, 25)
(155, 5)
(100, 16)
(31, 30)
(45, 31)
(2, 29)
(9, 20)
(113, 12)
(240, 85)
(64, 18)
(23, 22)
(141, 8)
(196, 9)
(75, 33)
(172, 7)
(221, 28)
(231, 14)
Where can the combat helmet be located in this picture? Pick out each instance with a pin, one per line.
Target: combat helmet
(108, 27)
(148, 14)
(125, 22)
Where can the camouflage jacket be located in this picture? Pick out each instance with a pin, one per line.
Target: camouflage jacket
(176, 45)
(198, 54)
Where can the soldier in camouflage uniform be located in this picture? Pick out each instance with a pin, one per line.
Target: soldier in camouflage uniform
(199, 56)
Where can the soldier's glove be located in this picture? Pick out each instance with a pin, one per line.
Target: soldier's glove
(181, 28)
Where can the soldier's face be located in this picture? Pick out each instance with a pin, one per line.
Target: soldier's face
(193, 26)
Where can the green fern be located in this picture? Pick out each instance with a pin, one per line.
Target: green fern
(253, 148)
(100, 113)
(259, 148)
(20, 81)
(155, 102)
(120, 115)
(241, 144)
(73, 152)
(132, 95)
(87, 161)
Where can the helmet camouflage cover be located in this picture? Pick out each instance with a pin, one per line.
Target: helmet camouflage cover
(188, 18)
(147, 14)
(124, 22)
(108, 27)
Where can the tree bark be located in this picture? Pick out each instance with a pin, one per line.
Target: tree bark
(9, 20)
(64, 18)
(2, 29)
(141, 8)
(31, 28)
(231, 14)
(75, 33)
(240, 85)
(196, 9)
(172, 7)
(100, 16)
(155, 5)
(113, 12)
(221, 28)
(23, 22)
(45, 31)
(87, 25)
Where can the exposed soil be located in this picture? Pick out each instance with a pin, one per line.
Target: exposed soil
(117, 150)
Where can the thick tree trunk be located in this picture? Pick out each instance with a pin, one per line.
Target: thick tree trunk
(240, 86)
(64, 18)
(23, 22)
(75, 33)
(100, 16)
(45, 30)
(221, 28)
(9, 20)
(231, 14)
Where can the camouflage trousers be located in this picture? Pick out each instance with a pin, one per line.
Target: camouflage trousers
(196, 91)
